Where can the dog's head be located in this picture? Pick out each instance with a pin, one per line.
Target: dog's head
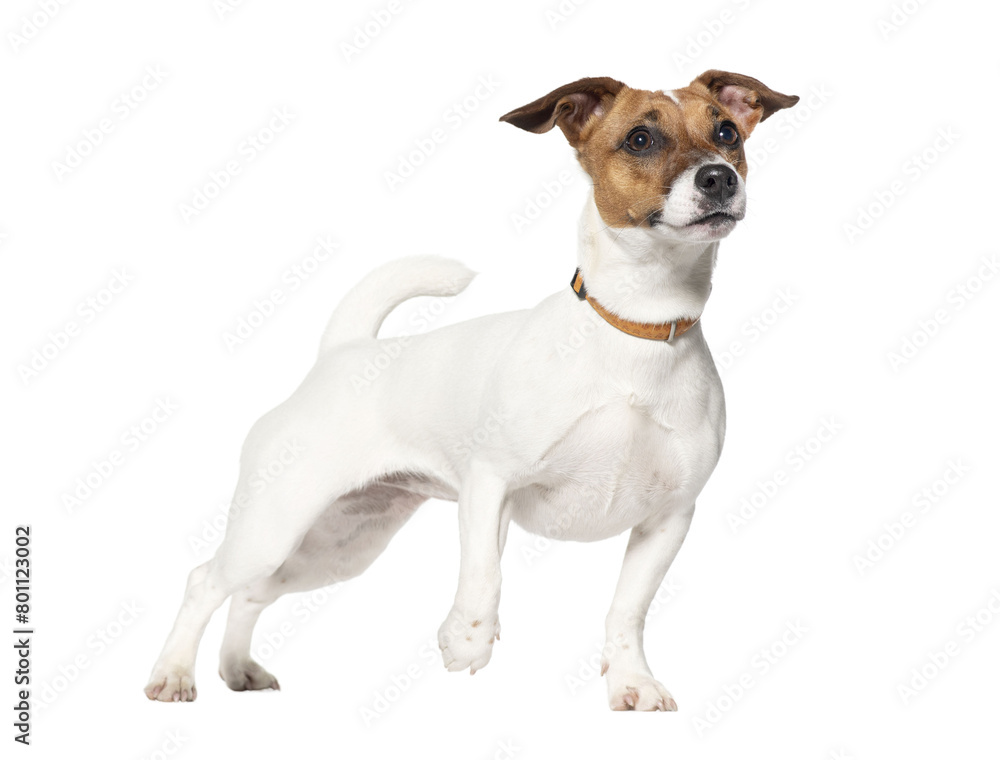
(668, 162)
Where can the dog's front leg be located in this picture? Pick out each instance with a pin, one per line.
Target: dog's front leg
(652, 546)
(467, 634)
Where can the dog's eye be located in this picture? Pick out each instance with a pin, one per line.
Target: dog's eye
(638, 140)
(727, 134)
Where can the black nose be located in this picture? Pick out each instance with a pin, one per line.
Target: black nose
(717, 181)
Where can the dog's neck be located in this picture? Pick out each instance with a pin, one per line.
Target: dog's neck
(640, 275)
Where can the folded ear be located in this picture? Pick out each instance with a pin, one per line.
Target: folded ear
(749, 100)
(570, 107)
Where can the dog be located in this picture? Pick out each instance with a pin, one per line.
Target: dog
(616, 431)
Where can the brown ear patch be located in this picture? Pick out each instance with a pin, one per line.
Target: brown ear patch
(570, 107)
(749, 100)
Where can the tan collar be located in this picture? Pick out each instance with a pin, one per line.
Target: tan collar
(665, 331)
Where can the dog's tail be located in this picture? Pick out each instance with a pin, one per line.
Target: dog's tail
(367, 304)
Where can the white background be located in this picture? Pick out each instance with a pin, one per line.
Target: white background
(877, 89)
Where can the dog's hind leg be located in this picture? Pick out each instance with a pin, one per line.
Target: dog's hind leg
(236, 667)
(271, 513)
(255, 547)
(172, 678)
(344, 540)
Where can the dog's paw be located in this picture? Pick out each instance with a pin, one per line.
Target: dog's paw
(247, 675)
(467, 643)
(634, 691)
(171, 685)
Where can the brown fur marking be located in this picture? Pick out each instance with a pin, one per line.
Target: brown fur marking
(598, 113)
(630, 188)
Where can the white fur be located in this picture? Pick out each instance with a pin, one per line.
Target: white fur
(513, 416)
(686, 204)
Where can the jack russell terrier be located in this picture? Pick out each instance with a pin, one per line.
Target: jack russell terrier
(618, 432)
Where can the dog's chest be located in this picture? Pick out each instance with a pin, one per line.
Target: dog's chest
(617, 466)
